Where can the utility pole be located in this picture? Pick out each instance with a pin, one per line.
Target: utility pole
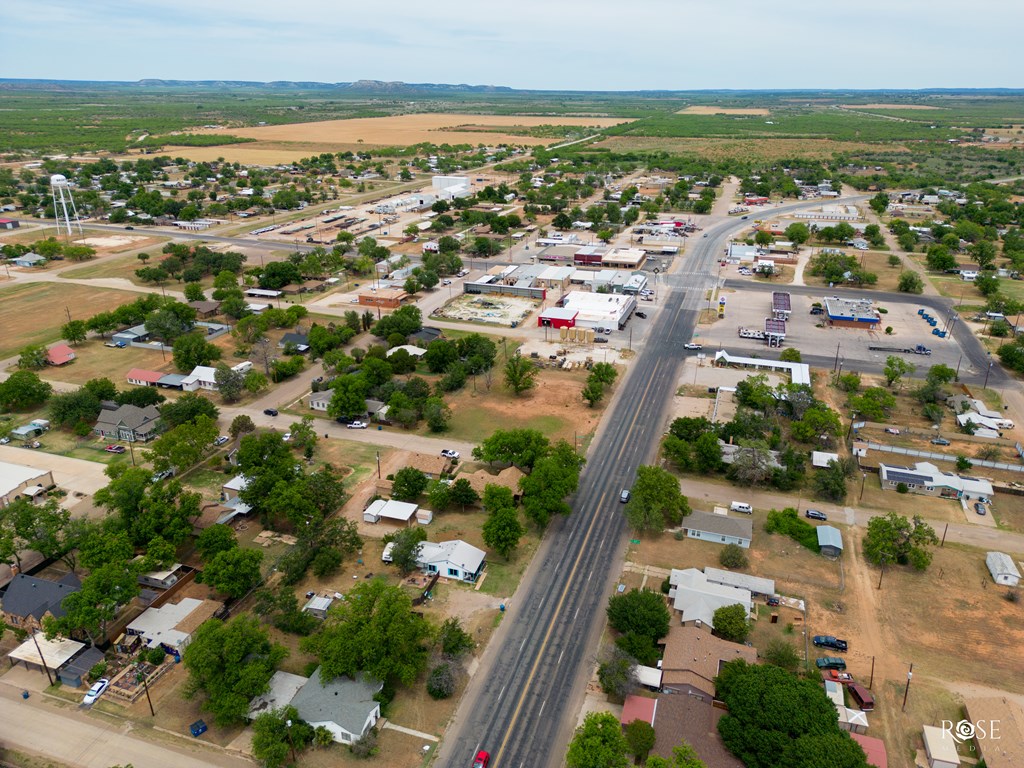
(835, 366)
(871, 682)
(42, 658)
(944, 531)
(863, 481)
(141, 676)
(378, 465)
(910, 674)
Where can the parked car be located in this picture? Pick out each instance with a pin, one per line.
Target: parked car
(287, 437)
(115, 449)
(625, 496)
(827, 641)
(4, 440)
(221, 440)
(344, 420)
(448, 453)
(97, 690)
(772, 600)
(843, 678)
(940, 441)
(357, 425)
(600, 340)
(116, 344)
(641, 315)
(167, 473)
(830, 662)
(482, 760)
(979, 508)
(693, 345)
(891, 431)
(270, 411)
(813, 514)
(446, 282)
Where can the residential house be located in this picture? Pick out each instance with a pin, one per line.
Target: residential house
(202, 377)
(642, 708)
(697, 600)
(280, 691)
(926, 479)
(233, 487)
(940, 747)
(28, 600)
(507, 478)
(693, 658)
(416, 352)
(28, 260)
(346, 707)
(425, 335)
(720, 529)
(757, 586)
(60, 354)
(452, 559)
(830, 541)
(874, 749)
(162, 579)
(686, 718)
(171, 625)
(1003, 569)
(143, 378)
(17, 480)
(318, 605)
(206, 308)
(130, 423)
(319, 401)
(299, 340)
(1006, 751)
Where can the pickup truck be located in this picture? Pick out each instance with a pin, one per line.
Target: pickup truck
(833, 643)
(830, 662)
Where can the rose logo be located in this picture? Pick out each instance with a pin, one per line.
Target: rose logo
(963, 731)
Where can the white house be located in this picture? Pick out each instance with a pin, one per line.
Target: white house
(172, 624)
(399, 511)
(719, 529)
(452, 559)
(697, 599)
(1003, 569)
(343, 706)
(318, 401)
(416, 352)
(202, 377)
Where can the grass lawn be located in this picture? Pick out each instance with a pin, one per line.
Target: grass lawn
(871, 261)
(94, 360)
(32, 313)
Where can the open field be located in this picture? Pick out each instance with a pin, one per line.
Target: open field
(891, 106)
(32, 313)
(97, 361)
(404, 130)
(713, 110)
(754, 150)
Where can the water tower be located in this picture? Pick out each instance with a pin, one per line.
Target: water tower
(64, 205)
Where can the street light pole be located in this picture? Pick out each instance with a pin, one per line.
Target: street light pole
(910, 674)
(863, 481)
(987, 372)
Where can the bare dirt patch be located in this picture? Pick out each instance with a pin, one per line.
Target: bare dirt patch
(113, 241)
(404, 130)
(488, 308)
(710, 110)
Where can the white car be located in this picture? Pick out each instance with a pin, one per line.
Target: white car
(450, 454)
(357, 425)
(221, 440)
(96, 691)
(287, 436)
(693, 345)
(446, 282)
(891, 431)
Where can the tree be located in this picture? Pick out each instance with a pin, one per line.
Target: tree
(437, 414)
(187, 408)
(683, 756)
(940, 374)
(640, 737)
(453, 639)
(791, 355)
(520, 374)
(800, 721)
(231, 663)
(963, 464)
(593, 391)
(731, 623)
(194, 292)
(234, 571)
(617, 674)
(830, 482)
(70, 409)
(598, 743)
(405, 549)
(910, 282)
(214, 540)
(171, 322)
(797, 233)
(554, 477)
(184, 445)
(241, 425)
(463, 493)
(732, 556)
(656, 501)
(782, 654)
(192, 349)
(502, 530)
(874, 403)
(893, 538)
(408, 484)
(32, 358)
(350, 641)
(74, 332)
(641, 612)
(349, 398)
(22, 391)
(96, 603)
(879, 203)
(896, 368)
(276, 733)
(441, 681)
(522, 448)
(229, 382)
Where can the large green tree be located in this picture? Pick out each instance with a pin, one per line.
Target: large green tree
(235, 571)
(22, 391)
(183, 446)
(192, 349)
(554, 478)
(519, 447)
(231, 663)
(351, 640)
(731, 623)
(502, 530)
(520, 374)
(892, 538)
(598, 743)
(656, 501)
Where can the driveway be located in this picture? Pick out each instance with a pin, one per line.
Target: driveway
(73, 475)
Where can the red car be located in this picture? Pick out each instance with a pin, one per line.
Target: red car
(115, 449)
(482, 759)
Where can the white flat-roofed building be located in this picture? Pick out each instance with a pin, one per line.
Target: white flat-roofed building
(600, 310)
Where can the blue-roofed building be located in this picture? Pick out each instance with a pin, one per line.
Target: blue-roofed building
(830, 541)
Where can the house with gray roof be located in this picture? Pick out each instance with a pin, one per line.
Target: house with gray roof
(830, 541)
(28, 600)
(756, 585)
(28, 260)
(344, 706)
(129, 422)
(720, 529)
(452, 559)
(697, 599)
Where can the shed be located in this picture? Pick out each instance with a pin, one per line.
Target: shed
(60, 354)
(401, 511)
(76, 671)
(873, 748)
(830, 541)
(940, 747)
(1003, 569)
(317, 606)
(821, 459)
(557, 317)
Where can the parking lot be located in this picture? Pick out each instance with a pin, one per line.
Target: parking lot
(812, 336)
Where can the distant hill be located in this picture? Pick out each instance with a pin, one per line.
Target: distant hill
(372, 87)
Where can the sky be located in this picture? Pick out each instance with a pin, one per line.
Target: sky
(534, 44)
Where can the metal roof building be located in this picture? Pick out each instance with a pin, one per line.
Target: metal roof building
(755, 584)
(830, 541)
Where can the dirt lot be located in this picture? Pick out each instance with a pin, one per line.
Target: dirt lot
(32, 313)
(487, 308)
(405, 130)
(712, 110)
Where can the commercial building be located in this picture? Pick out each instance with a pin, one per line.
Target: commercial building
(624, 258)
(926, 479)
(799, 373)
(600, 310)
(557, 317)
(851, 313)
(388, 298)
(17, 480)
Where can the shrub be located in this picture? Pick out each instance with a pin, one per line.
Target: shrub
(97, 671)
(732, 556)
(441, 683)
(788, 523)
(366, 746)
(1013, 596)
(326, 562)
(156, 656)
(888, 330)
(901, 488)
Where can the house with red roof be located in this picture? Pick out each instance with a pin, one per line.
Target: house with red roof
(143, 378)
(60, 355)
(639, 708)
(873, 748)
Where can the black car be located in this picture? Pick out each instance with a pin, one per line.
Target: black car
(344, 420)
(641, 315)
(833, 643)
(940, 441)
(270, 411)
(813, 514)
